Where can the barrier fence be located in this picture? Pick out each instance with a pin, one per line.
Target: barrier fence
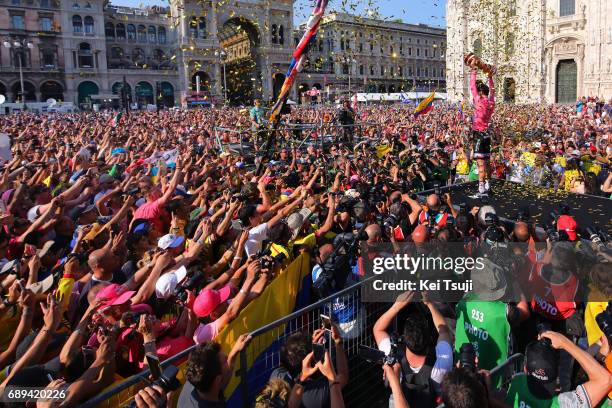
(243, 140)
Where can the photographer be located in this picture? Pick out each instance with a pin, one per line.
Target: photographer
(310, 389)
(463, 387)
(208, 373)
(537, 387)
(422, 366)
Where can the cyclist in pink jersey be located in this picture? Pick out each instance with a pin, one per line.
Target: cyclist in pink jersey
(484, 105)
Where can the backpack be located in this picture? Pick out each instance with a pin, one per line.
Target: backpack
(418, 387)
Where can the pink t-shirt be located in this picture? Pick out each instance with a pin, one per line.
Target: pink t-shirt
(206, 332)
(483, 107)
(154, 213)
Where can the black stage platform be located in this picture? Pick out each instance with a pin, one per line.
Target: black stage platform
(508, 198)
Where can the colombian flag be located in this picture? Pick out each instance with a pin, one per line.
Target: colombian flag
(425, 106)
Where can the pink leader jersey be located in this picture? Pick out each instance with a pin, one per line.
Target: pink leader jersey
(483, 107)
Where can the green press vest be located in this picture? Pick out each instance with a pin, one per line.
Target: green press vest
(484, 324)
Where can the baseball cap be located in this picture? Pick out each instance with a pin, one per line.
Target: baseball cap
(106, 178)
(209, 299)
(166, 284)
(46, 247)
(297, 219)
(541, 362)
(170, 241)
(33, 213)
(114, 295)
(567, 224)
(10, 266)
(83, 210)
(42, 286)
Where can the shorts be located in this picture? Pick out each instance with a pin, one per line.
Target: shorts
(482, 145)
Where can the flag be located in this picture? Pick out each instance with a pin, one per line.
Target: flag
(116, 119)
(461, 115)
(425, 106)
(299, 56)
(382, 150)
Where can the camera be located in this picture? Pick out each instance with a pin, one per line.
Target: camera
(597, 237)
(165, 379)
(191, 284)
(391, 221)
(376, 356)
(81, 257)
(467, 356)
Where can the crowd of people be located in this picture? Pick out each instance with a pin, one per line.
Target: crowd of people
(126, 241)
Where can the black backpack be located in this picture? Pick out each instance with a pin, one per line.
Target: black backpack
(418, 387)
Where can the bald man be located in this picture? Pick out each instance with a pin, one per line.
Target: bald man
(374, 233)
(434, 210)
(420, 234)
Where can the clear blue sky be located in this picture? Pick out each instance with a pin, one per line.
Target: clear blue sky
(430, 12)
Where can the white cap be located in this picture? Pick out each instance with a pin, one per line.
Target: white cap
(170, 241)
(166, 284)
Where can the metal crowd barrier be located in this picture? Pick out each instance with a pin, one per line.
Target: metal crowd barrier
(365, 385)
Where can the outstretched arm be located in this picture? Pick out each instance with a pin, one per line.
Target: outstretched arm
(473, 86)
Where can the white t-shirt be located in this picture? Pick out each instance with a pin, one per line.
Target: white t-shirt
(257, 236)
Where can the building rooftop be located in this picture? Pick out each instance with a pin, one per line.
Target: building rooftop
(374, 22)
(138, 12)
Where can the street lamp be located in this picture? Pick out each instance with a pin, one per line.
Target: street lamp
(223, 57)
(350, 62)
(20, 45)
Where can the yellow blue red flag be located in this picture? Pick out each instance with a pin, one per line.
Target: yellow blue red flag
(425, 106)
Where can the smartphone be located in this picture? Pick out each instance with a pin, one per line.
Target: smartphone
(154, 367)
(325, 322)
(319, 352)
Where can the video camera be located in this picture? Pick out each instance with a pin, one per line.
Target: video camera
(376, 356)
(335, 269)
(598, 236)
(467, 356)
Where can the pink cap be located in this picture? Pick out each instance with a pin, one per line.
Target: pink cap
(114, 295)
(209, 299)
(354, 177)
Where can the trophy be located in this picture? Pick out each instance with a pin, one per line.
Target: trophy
(472, 59)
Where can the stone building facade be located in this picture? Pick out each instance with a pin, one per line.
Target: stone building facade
(30, 37)
(550, 51)
(205, 29)
(372, 55)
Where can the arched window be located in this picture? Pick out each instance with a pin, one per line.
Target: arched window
(142, 34)
(478, 47)
(281, 35)
(161, 35)
(193, 27)
(274, 34)
(120, 31)
(116, 53)
(138, 55)
(131, 32)
(152, 35)
(89, 25)
(202, 27)
(109, 30)
(158, 55)
(85, 56)
(77, 24)
(567, 8)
